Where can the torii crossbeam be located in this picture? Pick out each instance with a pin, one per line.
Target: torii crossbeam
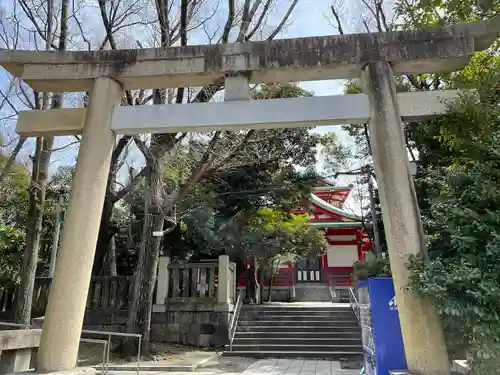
(373, 57)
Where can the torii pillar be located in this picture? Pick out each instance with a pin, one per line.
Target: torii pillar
(68, 295)
(422, 331)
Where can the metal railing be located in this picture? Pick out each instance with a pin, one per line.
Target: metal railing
(15, 325)
(354, 304)
(333, 293)
(109, 334)
(107, 348)
(234, 319)
(105, 359)
(106, 343)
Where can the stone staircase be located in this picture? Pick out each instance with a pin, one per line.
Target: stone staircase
(297, 330)
(312, 293)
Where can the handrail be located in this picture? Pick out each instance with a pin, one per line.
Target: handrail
(104, 343)
(354, 304)
(110, 333)
(15, 325)
(234, 319)
(333, 293)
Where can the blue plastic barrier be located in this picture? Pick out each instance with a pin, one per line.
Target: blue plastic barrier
(382, 342)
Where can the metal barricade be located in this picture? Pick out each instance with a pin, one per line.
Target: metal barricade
(105, 344)
(107, 347)
(15, 325)
(109, 334)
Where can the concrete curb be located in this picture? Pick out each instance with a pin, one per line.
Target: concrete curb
(158, 367)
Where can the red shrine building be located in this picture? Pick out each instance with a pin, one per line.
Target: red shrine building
(347, 240)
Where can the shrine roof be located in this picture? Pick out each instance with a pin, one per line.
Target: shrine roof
(344, 215)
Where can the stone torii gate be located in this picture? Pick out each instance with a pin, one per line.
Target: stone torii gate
(376, 58)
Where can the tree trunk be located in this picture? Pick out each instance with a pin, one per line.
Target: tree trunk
(253, 283)
(24, 298)
(262, 278)
(109, 264)
(104, 238)
(112, 257)
(270, 288)
(140, 308)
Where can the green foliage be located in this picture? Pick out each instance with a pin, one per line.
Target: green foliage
(461, 210)
(14, 194)
(432, 13)
(334, 154)
(11, 247)
(270, 233)
(262, 174)
(376, 267)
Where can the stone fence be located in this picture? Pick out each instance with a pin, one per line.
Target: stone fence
(193, 302)
(105, 293)
(197, 300)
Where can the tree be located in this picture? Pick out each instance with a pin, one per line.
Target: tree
(213, 151)
(39, 177)
(456, 185)
(130, 24)
(11, 245)
(14, 194)
(268, 236)
(462, 222)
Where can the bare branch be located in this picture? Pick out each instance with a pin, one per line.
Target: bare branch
(122, 143)
(143, 148)
(383, 18)
(337, 19)
(284, 20)
(8, 101)
(181, 137)
(229, 22)
(28, 12)
(259, 22)
(85, 39)
(28, 102)
(245, 21)
(237, 150)
(65, 146)
(132, 184)
(183, 32)
(109, 35)
(163, 10)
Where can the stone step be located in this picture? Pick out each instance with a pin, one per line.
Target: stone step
(333, 355)
(310, 314)
(297, 328)
(302, 307)
(303, 341)
(297, 312)
(299, 318)
(355, 334)
(290, 322)
(300, 348)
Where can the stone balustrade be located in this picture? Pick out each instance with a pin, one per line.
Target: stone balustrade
(17, 349)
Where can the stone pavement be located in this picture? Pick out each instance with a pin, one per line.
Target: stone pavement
(247, 366)
(187, 361)
(297, 367)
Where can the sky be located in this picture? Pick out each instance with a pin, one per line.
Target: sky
(310, 18)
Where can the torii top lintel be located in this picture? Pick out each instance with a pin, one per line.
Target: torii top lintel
(284, 60)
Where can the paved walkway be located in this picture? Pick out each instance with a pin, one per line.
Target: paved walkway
(297, 367)
(247, 366)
